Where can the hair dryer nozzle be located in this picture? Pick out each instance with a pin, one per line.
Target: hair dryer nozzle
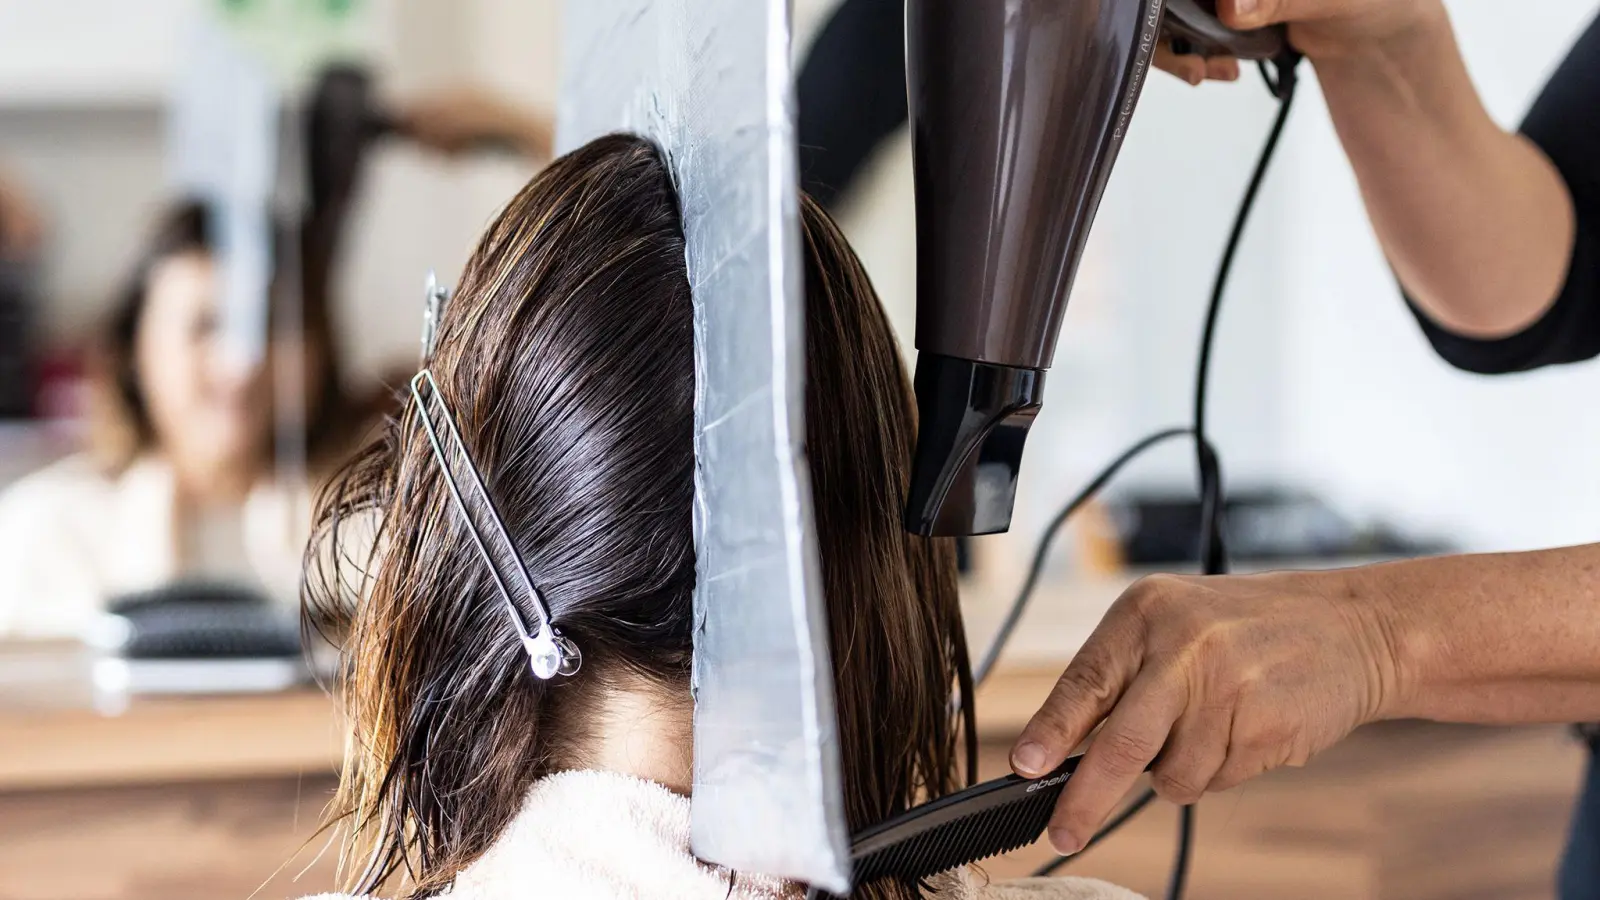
(973, 421)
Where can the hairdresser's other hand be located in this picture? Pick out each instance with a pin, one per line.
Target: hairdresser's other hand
(1226, 677)
(21, 224)
(1193, 68)
(455, 121)
(1321, 29)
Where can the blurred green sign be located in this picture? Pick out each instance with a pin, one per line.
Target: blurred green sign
(296, 37)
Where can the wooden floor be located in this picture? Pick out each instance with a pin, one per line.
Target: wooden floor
(204, 841)
(1403, 811)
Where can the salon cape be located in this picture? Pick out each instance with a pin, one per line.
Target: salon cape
(72, 538)
(604, 836)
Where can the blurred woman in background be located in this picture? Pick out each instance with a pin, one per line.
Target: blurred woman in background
(179, 480)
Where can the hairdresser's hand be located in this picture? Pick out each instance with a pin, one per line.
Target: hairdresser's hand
(1321, 29)
(21, 224)
(1225, 677)
(456, 121)
(1194, 68)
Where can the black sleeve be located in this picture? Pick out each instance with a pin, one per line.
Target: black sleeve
(1565, 124)
(851, 93)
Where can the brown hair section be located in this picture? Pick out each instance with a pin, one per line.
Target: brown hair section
(567, 357)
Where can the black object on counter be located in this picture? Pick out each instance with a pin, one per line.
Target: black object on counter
(17, 375)
(1263, 525)
(201, 620)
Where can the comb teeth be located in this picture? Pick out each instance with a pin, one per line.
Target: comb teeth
(982, 821)
(961, 841)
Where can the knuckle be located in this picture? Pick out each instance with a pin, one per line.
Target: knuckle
(1195, 649)
(1237, 771)
(1087, 681)
(1260, 737)
(1235, 687)
(1159, 583)
(1225, 780)
(1251, 679)
(1124, 753)
(1150, 594)
(1181, 788)
(1298, 755)
(1049, 725)
(1211, 635)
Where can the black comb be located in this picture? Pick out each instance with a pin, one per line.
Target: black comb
(984, 820)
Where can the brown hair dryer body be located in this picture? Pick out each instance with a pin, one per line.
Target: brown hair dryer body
(1018, 109)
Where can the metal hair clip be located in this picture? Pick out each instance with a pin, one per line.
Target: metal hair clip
(550, 653)
(437, 295)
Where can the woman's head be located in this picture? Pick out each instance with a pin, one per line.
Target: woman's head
(567, 359)
(171, 384)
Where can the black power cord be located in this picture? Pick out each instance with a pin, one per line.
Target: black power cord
(1041, 549)
(1213, 550)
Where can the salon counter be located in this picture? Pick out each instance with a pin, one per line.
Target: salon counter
(55, 732)
(195, 797)
(56, 735)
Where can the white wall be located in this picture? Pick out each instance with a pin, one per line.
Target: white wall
(83, 127)
(420, 212)
(87, 51)
(1321, 376)
(98, 173)
(1375, 418)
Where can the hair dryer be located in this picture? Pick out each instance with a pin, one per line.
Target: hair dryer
(1018, 109)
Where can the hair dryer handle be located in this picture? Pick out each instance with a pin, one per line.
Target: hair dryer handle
(1195, 24)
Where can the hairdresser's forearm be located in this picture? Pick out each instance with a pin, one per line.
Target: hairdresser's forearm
(533, 135)
(1213, 681)
(1477, 222)
(1493, 638)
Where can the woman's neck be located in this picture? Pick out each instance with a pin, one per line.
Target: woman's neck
(645, 733)
(203, 486)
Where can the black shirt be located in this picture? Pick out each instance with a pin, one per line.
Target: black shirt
(1565, 124)
(851, 93)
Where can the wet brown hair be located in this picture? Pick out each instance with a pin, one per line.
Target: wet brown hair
(567, 357)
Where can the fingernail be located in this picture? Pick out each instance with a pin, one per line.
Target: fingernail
(1029, 758)
(1063, 842)
(1245, 9)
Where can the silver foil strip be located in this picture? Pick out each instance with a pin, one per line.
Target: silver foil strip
(710, 81)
